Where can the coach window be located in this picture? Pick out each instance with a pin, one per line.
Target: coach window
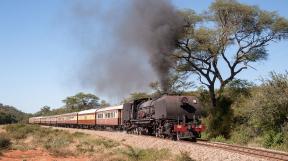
(100, 115)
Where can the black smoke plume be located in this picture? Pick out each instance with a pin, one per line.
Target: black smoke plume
(139, 38)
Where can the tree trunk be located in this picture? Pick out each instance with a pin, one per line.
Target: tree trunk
(213, 97)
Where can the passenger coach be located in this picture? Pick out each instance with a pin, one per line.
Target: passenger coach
(92, 118)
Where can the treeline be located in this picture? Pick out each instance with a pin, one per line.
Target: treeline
(9, 114)
(78, 102)
(249, 113)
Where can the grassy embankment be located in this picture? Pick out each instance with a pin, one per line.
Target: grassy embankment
(61, 143)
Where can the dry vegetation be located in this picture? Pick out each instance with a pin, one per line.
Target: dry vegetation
(62, 144)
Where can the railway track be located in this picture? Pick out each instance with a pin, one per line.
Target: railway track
(266, 154)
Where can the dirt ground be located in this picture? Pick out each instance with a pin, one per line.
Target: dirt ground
(35, 155)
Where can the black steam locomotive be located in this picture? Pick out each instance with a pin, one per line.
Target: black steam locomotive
(175, 117)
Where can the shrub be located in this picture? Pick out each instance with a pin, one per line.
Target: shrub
(5, 141)
(135, 154)
(241, 135)
(219, 138)
(272, 139)
(184, 156)
(219, 120)
(107, 143)
(21, 131)
(269, 104)
(56, 142)
(85, 147)
(79, 134)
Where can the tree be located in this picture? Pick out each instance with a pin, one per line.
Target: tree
(12, 114)
(7, 118)
(244, 30)
(45, 110)
(103, 103)
(82, 101)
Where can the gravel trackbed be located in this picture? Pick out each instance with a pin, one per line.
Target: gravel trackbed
(198, 152)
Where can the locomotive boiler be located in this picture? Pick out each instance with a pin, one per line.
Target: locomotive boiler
(175, 117)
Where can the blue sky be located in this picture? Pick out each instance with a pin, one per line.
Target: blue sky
(39, 56)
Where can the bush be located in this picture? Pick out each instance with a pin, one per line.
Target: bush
(135, 154)
(272, 139)
(107, 143)
(219, 138)
(219, 121)
(241, 135)
(21, 131)
(184, 156)
(5, 141)
(79, 134)
(269, 104)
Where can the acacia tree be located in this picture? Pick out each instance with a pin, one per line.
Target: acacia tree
(45, 110)
(82, 101)
(227, 39)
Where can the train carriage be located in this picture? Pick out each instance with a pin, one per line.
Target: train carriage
(70, 119)
(42, 120)
(32, 120)
(53, 120)
(37, 120)
(87, 118)
(109, 116)
(60, 120)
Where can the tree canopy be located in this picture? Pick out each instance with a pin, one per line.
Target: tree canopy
(82, 101)
(231, 35)
(9, 114)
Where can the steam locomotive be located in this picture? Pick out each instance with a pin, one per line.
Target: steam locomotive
(175, 117)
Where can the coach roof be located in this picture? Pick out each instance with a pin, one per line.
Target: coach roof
(119, 107)
(88, 111)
